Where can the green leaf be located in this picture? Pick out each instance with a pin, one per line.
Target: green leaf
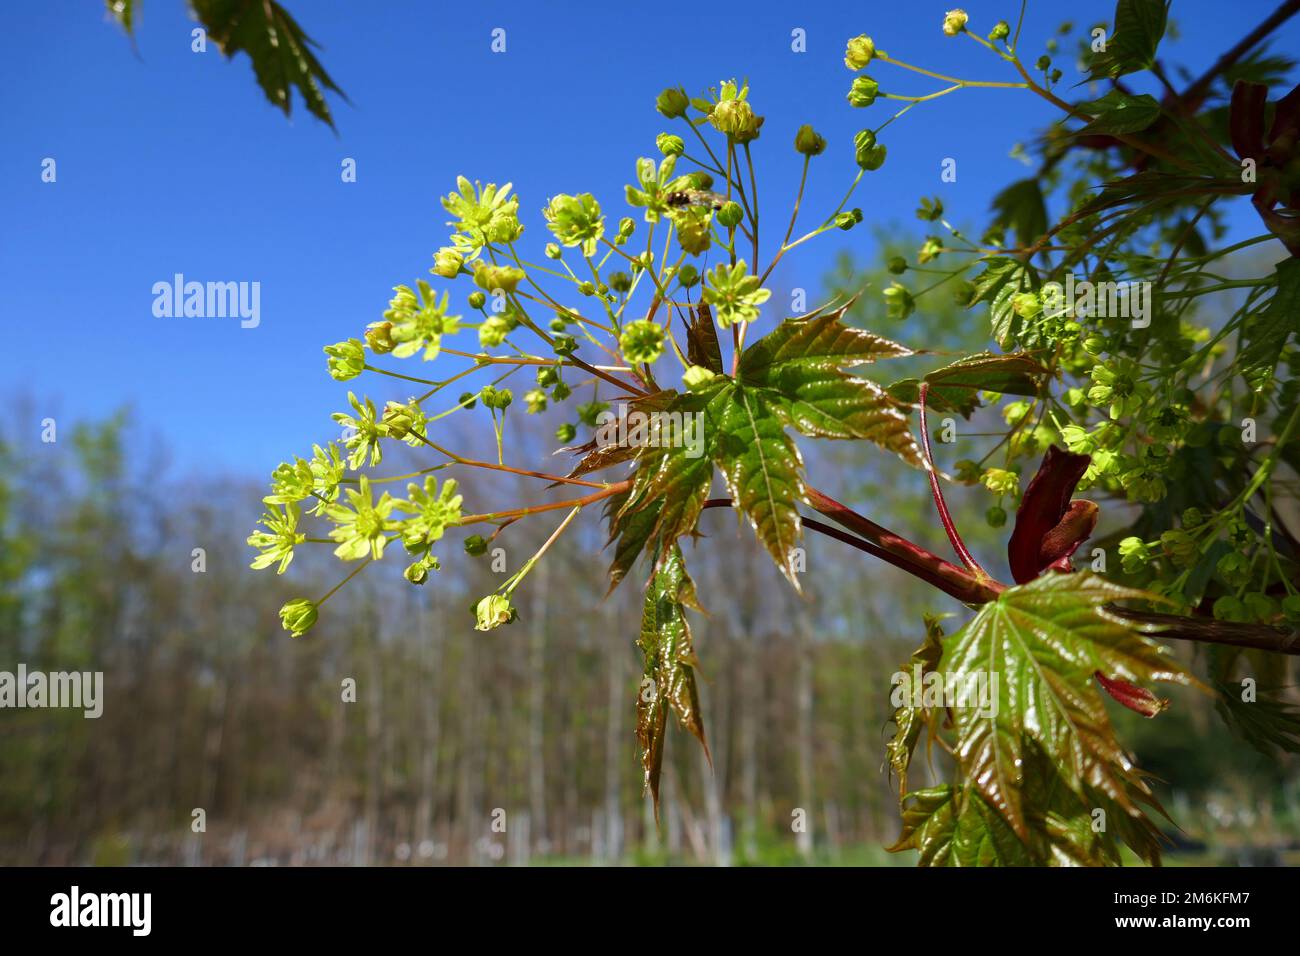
(1021, 208)
(953, 828)
(598, 456)
(1119, 112)
(669, 675)
(1001, 279)
(1269, 722)
(955, 387)
(798, 367)
(280, 50)
(929, 823)
(911, 720)
(763, 470)
(1139, 27)
(1266, 331)
(1042, 642)
(998, 271)
(819, 343)
(673, 477)
(629, 535)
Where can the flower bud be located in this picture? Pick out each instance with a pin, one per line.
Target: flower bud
(477, 299)
(1000, 481)
(641, 341)
(669, 144)
(735, 118)
(552, 250)
(996, 516)
(1133, 555)
(697, 376)
(493, 332)
(899, 303)
(688, 276)
(897, 265)
(535, 399)
(467, 399)
(565, 345)
(417, 572)
(808, 142)
(869, 157)
(399, 419)
(693, 225)
(298, 616)
(379, 337)
(954, 22)
(576, 221)
(1001, 30)
(847, 220)
(476, 545)
(1180, 547)
(447, 263)
(493, 611)
(1026, 304)
(493, 278)
(863, 92)
(730, 215)
(861, 50)
(672, 103)
(1230, 608)
(346, 359)
(566, 432)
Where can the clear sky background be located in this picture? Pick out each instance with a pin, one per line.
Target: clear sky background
(171, 161)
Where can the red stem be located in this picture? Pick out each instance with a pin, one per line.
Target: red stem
(894, 549)
(970, 589)
(940, 503)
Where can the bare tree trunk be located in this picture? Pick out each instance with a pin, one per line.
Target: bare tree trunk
(804, 728)
(751, 706)
(374, 746)
(537, 710)
(431, 643)
(616, 656)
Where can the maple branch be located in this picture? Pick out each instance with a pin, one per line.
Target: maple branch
(893, 549)
(957, 582)
(1206, 630)
(902, 553)
(608, 492)
(1197, 90)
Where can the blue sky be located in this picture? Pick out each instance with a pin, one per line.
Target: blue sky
(170, 161)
